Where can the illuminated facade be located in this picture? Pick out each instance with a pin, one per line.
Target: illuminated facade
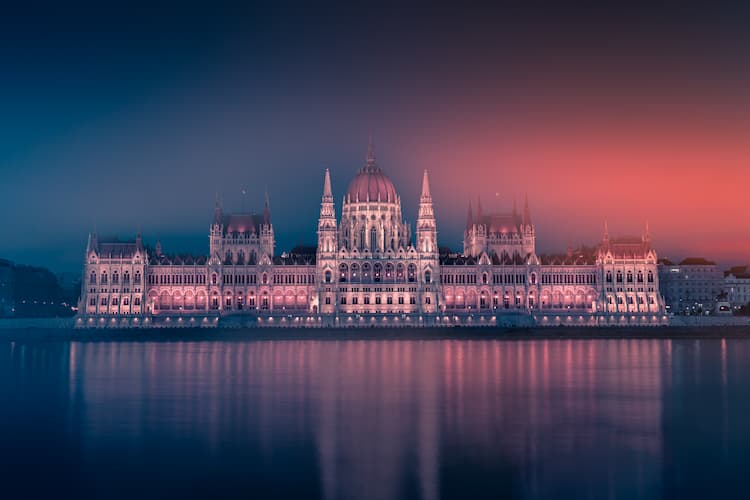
(369, 269)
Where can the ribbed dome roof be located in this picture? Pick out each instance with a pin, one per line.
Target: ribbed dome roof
(370, 183)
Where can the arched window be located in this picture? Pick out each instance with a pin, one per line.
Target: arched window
(619, 276)
(412, 272)
(366, 271)
(362, 239)
(213, 279)
(137, 279)
(428, 276)
(264, 279)
(115, 278)
(640, 277)
(389, 271)
(92, 278)
(104, 278)
(484, 278)
(400, 272)
(377, 272)
(327, 275)
(343, 273)
(609, 276)
(355, 271)
(533, 278)
(373, 239)
(650, 277)
(630, 276)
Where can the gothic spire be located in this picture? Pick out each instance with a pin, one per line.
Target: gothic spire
(526, 211)
(371, 153)
(479, 209)
(327, 192)
(647, 233)
(217, 209)
(425, 201)
(267, 210)
(606, 231)
(469, 218)
(426, 186)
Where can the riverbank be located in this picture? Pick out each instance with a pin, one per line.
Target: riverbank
(335, 334)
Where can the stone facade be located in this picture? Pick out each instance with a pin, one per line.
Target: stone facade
(691, 286)
(737, 286)
(368, 268)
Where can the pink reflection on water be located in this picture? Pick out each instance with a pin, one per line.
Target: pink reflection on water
(381, 411)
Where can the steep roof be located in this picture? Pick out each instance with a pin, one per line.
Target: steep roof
(242, 223)
(500, 223)
(696, 261)
(115, 248)
(626, 247)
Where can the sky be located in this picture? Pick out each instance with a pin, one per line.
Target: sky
(115, 117)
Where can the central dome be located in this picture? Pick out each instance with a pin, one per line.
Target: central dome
(370, 183)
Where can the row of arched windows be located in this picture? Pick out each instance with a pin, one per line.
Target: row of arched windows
(379, 273)
(569, 279)
(629, 277)
(103, 279)
(176, 279)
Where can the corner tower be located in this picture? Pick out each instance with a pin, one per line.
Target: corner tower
(426, 227)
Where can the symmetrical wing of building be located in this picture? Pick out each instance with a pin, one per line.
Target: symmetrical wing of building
(369, 268)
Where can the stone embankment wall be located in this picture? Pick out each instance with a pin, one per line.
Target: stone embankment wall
(18, 323)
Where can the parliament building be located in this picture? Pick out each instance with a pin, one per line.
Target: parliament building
(371, 269)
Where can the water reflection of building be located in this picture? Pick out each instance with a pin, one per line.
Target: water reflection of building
(394, 419)
(368, 268)
(704, 420)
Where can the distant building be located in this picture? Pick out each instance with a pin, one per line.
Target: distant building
(370, 268)
(7, 288)
(737, 285)
(690, 287)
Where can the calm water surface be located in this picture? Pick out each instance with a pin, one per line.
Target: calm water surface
(359, 419)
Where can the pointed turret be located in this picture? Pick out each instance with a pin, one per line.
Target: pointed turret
(218, 210)
(526, 211)
(327, 232)
(647, 234)
(326, 204)
(426, 227)
(469, 218)
(606, 232)
(94, 239)
(139, 238)
(267, 210)
(327, 191)
(426, 186)
(371, 153)
(426, 215)
(479, 210)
